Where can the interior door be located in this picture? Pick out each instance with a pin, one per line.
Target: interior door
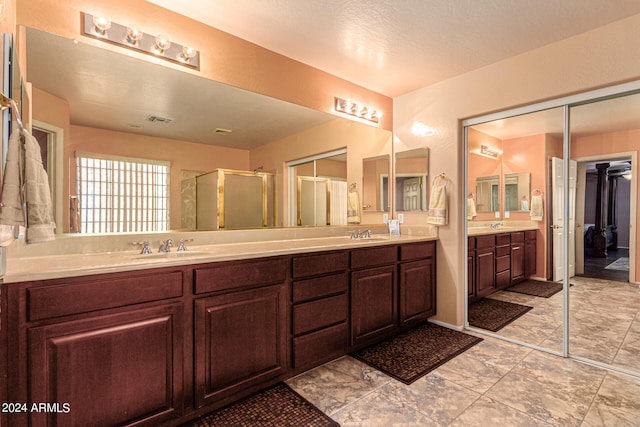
(557, 223)
(411, 191)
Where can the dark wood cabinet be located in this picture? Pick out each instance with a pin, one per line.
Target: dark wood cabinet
(374, 304)
(320, 308)
(503, 260)
(417, 283)
(471, 267)
(120, 369)
(240, 341)
(161, 346)
(517, 257)
(485, 265)
(530, 252)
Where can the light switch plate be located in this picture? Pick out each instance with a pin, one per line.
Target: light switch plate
(385, 218)
(401, 218)
(498, 215)
(507, 214)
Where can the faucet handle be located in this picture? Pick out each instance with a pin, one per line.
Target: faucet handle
(181, 246)
(145, 247)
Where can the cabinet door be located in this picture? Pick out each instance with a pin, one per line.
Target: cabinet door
(374, 303)
(517, 262)
(240, 341)
(417, 291)
(111, 370)
(471, 274)
(530, 251)
(485, 272)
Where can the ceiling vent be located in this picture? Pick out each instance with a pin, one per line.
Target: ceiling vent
(159, 119)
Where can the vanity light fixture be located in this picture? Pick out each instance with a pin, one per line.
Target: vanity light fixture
(354, 109)
(133, 38)
(485, 150)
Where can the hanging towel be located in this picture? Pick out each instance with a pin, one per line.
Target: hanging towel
(536, 208)
(438, 214)
(471, 208)
(26, 188)
(353, 207)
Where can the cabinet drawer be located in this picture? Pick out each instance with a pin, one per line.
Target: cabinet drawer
(86, 296)
(324, 263)
(503, 239)
(530, 234)
(320, 346)
(503, 250)
(485, 242)
(319, 314)
(304, 290)
(503, 279)
(517, 236)
(417, 250)
(238, 274)
(503, 263)
(381, 255)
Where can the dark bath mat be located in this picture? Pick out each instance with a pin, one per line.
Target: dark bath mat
(415, 353)
(493, 315)
(536, 288)
(278, 406)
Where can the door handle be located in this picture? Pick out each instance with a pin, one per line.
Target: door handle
(555, 227)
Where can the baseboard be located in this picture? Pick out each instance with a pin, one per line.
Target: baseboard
(447, 325)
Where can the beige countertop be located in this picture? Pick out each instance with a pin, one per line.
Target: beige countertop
(481, 231)
(20, 269)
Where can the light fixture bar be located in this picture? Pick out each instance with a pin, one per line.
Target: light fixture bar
(356, 110)
(133, 38)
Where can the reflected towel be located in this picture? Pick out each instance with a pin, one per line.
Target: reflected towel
(537, 210)
(471, 208)
(353, 208)
(26, 187)
(438, 214)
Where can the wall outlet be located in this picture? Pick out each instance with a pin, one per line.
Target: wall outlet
(401, 218)
(507, 214)
(385, 218)
(498, 215)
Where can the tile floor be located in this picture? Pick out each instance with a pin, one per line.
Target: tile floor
(497, 383)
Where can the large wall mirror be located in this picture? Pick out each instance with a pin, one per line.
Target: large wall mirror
(99, 108)
(375, 183)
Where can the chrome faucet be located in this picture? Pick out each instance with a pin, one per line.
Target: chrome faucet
(181, 246)
(165, 246)
(361, 235)
(145, 247)
(496, 226)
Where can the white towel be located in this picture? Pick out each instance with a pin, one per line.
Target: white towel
(537, 211)
(471, 208)
(353, 208)
(437, 213)
(26, 187)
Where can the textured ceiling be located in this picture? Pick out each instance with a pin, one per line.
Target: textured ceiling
(397, 46)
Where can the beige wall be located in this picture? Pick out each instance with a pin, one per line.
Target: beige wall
(590, 60)
(223, 57)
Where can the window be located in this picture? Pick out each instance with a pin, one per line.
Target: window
(119, 194)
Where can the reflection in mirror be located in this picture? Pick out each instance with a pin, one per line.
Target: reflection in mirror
(158, 113)
(234, 199)
(375, 183)
(488, 193)
(517, 188)
(411, 176)
(321, 189)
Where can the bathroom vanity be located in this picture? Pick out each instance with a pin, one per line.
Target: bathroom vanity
(165, 341)
(499, 258)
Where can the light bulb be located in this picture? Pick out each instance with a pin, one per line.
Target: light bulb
(102, 24)
(162, 43)
(133, 35)
(187, 53)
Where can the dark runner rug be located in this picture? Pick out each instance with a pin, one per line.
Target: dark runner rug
(493, 315)
(278, 406)
(415, 353)
(536, 288)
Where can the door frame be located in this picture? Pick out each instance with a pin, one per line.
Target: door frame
(633, 201)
